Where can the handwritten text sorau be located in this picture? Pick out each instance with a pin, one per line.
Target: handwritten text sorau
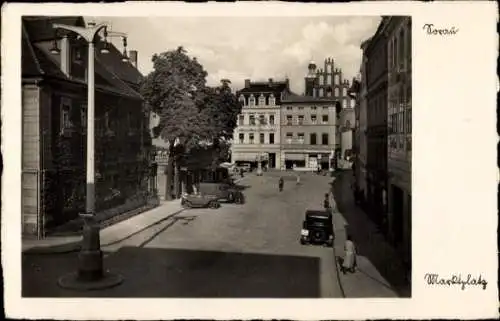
(431, 30)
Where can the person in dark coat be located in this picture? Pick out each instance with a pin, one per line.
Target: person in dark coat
(281, 183)
(326, 202)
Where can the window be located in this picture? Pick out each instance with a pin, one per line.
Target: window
(324, 139)
(252, 119)
(325, 107)
(321, 92)
(301, 138)
(251, 101)
(344, 91)
(271, 138)
(336, 92)
(261, 138)
(313, 108)
(241, 120)
(271, 119)
(301, 119)
(250, 136)
(313, 119)
(65, 113)
(262, 100)
(353, 103)
(321, 80)
(324, 119)
(408, 121)
(289, 108)
(329, 93)
(272, 100)
(83, 116)
(241, 138)
(344, 103)
(301, 108)
(289, 120)
(262, 119)
(337, 79)
(242, 100)
(329, 79)
(289, 137)
(312, 139)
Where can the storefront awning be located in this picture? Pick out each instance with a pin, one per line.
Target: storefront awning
(295, 157)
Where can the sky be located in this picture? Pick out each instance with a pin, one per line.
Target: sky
(256, 48)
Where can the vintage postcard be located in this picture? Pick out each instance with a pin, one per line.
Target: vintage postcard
(249, 160)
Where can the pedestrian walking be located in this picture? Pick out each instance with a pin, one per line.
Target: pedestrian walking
(281, 183)
(298, 179)
(326, 201)
(241, 172)
(349, 261)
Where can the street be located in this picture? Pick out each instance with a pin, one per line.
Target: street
(236, 251)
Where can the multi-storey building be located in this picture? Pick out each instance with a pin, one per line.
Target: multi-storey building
(399, 131)
(54, 100)
(376, 96)
(359, 90)
(307, 131)
(329, 82)
(257, 136)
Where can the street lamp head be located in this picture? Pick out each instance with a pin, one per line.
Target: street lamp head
(105, 48)
(125, 56)
(55, 49)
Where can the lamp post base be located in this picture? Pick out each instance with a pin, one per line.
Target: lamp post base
(73, 281)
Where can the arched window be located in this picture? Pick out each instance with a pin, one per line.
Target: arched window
(337, 79)
(344, 91)
(272, 100)
(321, 79)
(242, 100)
(251, 100)
(353, 103)
(262, 100)
(344, 103)
(336, 92)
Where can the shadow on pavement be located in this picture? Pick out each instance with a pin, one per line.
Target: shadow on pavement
(155, 272)
(368, 239)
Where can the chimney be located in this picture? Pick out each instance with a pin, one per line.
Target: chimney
(270, 81)
(65, 55)
(247, 83)
(133, 57)
(287, 82)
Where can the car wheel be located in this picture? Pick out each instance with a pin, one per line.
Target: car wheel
(302, 242)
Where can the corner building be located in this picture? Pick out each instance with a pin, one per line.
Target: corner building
(257, 135)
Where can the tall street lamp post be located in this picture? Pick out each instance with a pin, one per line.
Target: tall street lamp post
(90, 274)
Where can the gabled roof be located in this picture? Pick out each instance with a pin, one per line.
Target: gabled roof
(36, 62)
(257, 87)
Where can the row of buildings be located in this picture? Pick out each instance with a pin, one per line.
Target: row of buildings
(383, 128)
(284, 130)
(54, 100)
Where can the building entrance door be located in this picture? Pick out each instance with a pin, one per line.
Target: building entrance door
(272, 160)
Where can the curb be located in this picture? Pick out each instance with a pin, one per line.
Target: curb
(75, 246)
(337, 270)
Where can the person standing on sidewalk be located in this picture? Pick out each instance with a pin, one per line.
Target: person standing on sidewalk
(349, 261)
(281, 183)
(326, 202)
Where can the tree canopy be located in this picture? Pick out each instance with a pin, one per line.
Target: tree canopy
(188, 109)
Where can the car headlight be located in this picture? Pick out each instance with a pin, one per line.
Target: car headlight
(304, 232)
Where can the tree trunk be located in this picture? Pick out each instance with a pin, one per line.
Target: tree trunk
(177, 180)
(170, 175)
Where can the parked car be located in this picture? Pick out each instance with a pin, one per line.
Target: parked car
(199, 201)
(244, 167)
(227, 192)
(317, 228)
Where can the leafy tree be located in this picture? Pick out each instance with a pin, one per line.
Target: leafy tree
(193, 117)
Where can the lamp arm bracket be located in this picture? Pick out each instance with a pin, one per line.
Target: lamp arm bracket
(87, 33)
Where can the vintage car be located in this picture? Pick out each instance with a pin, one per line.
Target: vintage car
(199, 201)
(317, 228)
(227, 192)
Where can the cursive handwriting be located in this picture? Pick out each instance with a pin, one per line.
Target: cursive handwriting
(435, 279)
(429, 27)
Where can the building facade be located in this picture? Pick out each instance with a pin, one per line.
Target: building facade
(376, 100)
(399, 149)
(308, 135)
(54, 100)
(257, 135)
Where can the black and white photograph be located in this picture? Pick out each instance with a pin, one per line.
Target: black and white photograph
(221, 157)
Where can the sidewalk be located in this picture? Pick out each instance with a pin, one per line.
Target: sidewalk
(108, 236)
(380, 271)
